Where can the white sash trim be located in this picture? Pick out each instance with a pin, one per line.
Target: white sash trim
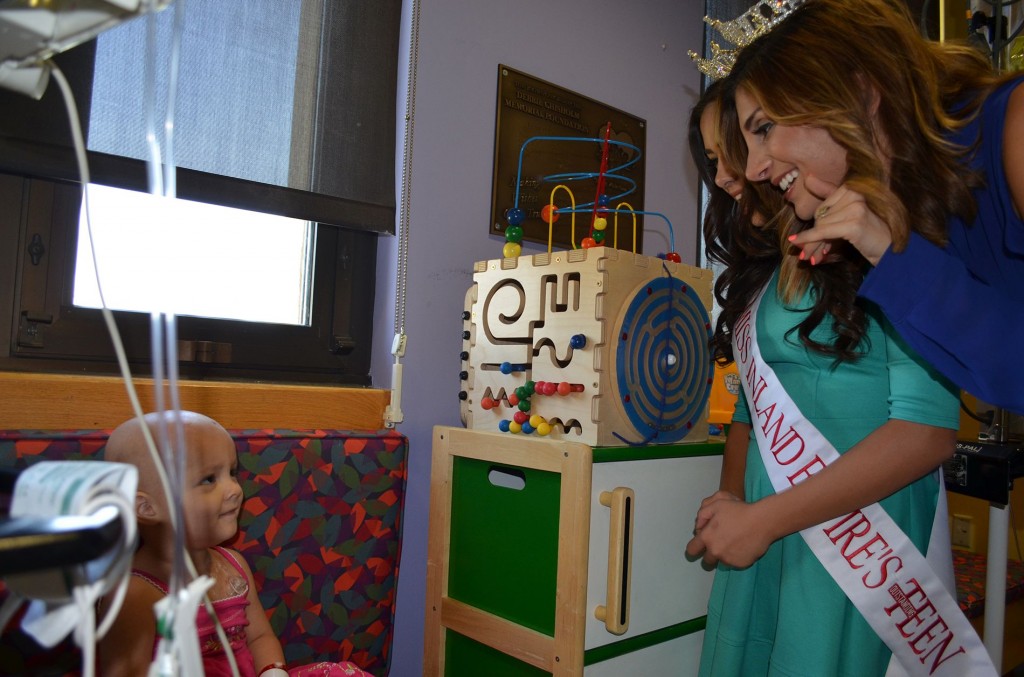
(881, 571)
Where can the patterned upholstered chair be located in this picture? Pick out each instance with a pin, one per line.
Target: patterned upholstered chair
(321, 529)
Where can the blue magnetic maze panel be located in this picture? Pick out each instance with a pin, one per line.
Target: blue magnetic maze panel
(663, 363)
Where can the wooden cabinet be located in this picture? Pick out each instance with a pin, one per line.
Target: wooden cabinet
(534, 541)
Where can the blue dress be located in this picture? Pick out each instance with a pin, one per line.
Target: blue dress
(962, 307)
(784, 615)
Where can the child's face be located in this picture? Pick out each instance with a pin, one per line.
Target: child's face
(212, 496)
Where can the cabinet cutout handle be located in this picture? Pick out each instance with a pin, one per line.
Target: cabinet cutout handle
(615, 615)
(507, 478)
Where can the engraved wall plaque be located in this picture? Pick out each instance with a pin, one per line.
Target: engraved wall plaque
(527, 108)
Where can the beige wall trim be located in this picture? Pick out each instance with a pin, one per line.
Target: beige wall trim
(49, 401)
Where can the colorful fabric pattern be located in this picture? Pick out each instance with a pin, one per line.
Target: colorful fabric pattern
(320, 528)
(970, 571)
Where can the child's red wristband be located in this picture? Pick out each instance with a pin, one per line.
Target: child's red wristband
(280, 666)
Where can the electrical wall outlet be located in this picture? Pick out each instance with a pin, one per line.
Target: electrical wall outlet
(962, 532)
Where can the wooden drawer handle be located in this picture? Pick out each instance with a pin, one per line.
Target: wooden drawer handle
(615, 615)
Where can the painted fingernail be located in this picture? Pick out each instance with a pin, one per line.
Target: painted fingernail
(812, 260)
(791, 237)
(802, 254)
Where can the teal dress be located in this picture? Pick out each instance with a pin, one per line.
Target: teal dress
(784, 615)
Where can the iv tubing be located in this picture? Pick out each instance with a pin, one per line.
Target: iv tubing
(122, 360)
(164, 344)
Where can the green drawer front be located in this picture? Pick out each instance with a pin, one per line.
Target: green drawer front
(503, 553)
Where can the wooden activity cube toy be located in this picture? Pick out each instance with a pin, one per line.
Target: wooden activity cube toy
(599, 346)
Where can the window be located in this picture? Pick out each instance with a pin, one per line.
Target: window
(286, 138)
(225, 263)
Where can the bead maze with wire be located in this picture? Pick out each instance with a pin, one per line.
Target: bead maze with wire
(593, 344)
(599, 208)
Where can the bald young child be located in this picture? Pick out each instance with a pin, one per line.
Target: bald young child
(211, 501)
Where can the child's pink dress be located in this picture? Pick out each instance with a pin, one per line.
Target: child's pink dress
(231, 612)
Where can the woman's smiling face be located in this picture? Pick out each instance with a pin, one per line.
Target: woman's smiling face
(786, 155)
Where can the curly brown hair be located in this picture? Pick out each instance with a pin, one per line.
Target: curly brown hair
(748, 254)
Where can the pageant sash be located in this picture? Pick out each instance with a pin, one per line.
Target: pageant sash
(866, 553)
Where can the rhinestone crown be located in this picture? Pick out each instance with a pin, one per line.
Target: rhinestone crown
(761, 18)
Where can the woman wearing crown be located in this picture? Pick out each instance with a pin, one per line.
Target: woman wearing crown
(930, 183)
(835, 558)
